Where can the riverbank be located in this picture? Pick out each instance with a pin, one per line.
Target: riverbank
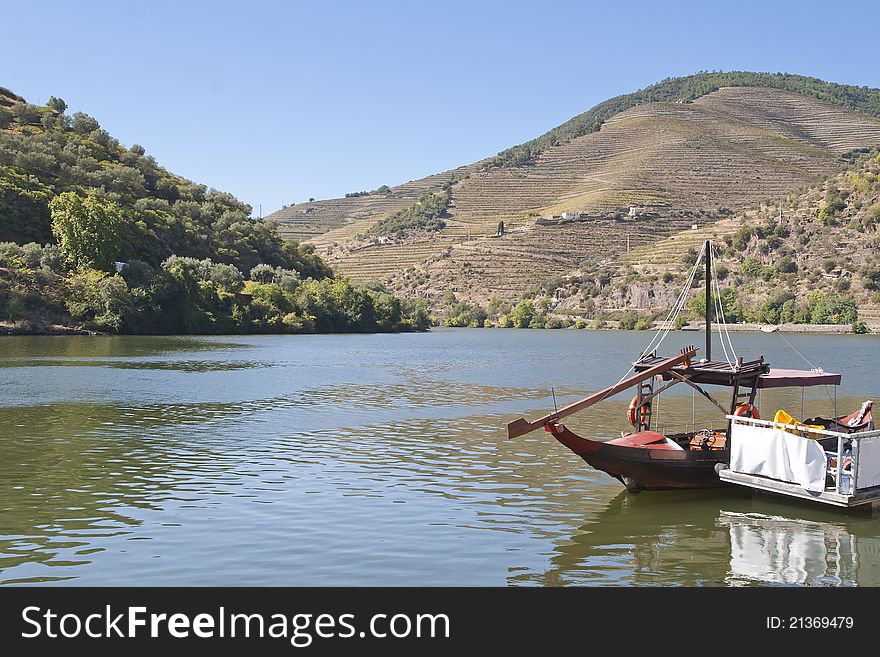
(17, 328)
(10, 328)
(783, 328)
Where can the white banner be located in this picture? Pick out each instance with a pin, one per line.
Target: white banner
(779, 455)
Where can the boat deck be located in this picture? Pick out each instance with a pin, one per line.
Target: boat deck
(828, 496)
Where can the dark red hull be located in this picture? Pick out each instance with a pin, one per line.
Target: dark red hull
(644, 467)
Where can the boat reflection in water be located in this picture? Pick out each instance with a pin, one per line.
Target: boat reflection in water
(716, 538)
(774, 549)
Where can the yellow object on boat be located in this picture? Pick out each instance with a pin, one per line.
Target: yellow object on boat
(782, 417)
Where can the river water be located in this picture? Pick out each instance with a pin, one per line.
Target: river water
(383, 460)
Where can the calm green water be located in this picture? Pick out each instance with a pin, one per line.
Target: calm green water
(380, 460)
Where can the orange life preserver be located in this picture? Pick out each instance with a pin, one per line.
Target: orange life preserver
(631, 412)
(747, 410)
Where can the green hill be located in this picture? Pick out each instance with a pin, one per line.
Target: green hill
(98, 236)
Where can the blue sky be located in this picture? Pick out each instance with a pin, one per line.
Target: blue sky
(279, 101)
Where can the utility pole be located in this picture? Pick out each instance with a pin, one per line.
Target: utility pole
(627, 243)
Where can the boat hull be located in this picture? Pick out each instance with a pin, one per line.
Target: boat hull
(646, 467)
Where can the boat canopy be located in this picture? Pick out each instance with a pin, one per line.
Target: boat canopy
(715, 372)
(781, 378)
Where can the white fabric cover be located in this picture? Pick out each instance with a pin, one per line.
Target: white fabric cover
(779, 455)
(869, 463)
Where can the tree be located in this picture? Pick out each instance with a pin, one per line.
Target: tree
(87, 228)
(419, 317)
(57, 104)
(522, 315)
(263, 273)
(98, 300)
(83, 123)
(832, 309)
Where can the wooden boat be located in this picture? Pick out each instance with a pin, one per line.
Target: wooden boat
(649, 460)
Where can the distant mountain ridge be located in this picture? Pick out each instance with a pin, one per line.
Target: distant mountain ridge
(631, 170)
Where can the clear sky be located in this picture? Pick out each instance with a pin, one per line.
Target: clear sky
(279, 101)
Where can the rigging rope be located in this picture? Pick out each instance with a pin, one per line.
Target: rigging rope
(723, 331)
(674, 312)
(813, 367)
(670, 318)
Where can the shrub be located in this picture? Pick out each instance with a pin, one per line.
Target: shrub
(523, 314)
(786, 265)
(752, 268)
(466, 314)
(25, 113)
(627, 321)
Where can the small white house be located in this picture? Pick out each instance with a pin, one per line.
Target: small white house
(571, 215)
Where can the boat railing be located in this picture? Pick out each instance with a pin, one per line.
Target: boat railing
(858, 451)
(801, 428)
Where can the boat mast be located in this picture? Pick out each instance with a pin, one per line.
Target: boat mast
(708, 300)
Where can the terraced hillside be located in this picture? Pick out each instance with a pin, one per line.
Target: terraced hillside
(676, 163)
(345, 215)
(819, 241)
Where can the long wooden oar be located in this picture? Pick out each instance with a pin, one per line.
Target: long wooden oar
(522, 426)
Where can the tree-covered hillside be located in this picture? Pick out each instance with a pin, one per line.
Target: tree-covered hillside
(99, 236)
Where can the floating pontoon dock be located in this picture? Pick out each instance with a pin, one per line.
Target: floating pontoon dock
(790, 460)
